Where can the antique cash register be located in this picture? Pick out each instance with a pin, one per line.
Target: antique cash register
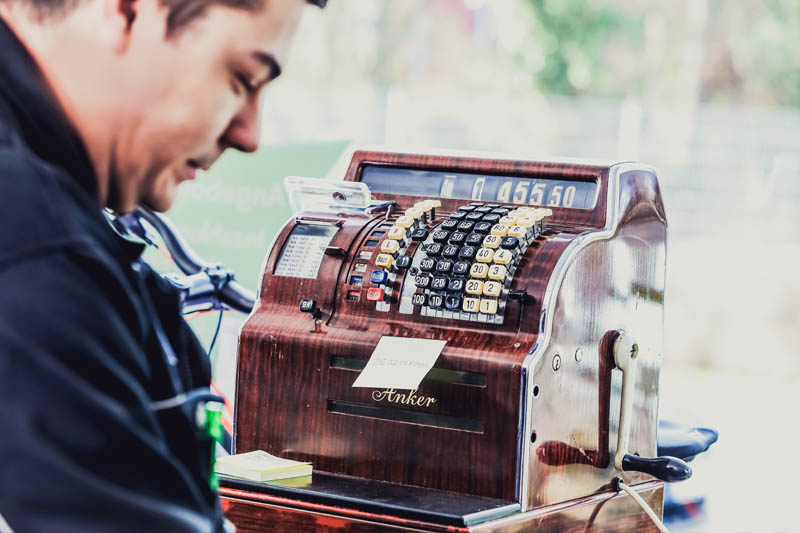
(544, 280)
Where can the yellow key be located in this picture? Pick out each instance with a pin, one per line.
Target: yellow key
(509, 220)
(525, 222)
(478, 270)
(501, 230)
(474, 286)
(433, 204)
(491, 288)
(422, 205)
(518, 232)
(404, 222)
(497, 272)
(413, 212)
(548, 212)
(492, 241)
(485, 255)
(488, 307)
(503, 257)
(384, 260)
(389, 246)
(518, 212)
(471, 305)
(396, 233)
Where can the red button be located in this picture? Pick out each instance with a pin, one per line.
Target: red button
(375, 294)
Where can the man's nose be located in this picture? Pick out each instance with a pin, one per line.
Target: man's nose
(243, 132)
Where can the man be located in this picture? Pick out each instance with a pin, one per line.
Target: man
(111, 103)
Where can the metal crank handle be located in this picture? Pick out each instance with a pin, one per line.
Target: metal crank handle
(626, 354)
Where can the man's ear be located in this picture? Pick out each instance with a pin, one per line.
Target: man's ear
(120, 16)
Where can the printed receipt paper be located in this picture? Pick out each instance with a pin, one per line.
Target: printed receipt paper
(399, 363)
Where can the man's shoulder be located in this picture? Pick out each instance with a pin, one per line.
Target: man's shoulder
(37, 211)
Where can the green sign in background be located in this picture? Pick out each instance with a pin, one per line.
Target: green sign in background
(232, 213)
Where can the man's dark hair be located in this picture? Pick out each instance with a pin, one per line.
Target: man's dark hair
(180, 12)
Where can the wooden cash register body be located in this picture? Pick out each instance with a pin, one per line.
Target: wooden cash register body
(525, 413)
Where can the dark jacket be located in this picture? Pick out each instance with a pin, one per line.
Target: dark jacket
(84, 327)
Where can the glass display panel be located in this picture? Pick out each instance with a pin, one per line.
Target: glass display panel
(481, 188)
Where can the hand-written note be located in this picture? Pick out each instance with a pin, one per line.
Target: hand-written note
(399, 363)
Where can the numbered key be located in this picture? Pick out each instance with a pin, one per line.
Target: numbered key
(433, 249)
(439, 283)
(389, 246)
(419, 234)
(441, 236)
(509, 220)
(414, 213)
(492, 288)
(461, 268)
(427, 264)
(435, 301)
(497, 272)
(484, 255)
(492, 241)
(455, 285)
(526, 222)
(474, 239)
(518, 231)
(479, 270)
(457, 237)
(452, 302)
(500, 229)
(450, 251)
(422, 282)
(419, 299)
(503, 257)
(449, 224)
(471, 305)
(488, 306)
(444, 266)
(467, 253)
(474, 286)
(510, 243)
(482, 227)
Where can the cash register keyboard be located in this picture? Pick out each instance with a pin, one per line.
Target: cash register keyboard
(464, 264)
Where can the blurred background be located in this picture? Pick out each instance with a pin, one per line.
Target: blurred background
(706, 91)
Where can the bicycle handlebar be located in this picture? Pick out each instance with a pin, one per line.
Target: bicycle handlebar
(217, 284)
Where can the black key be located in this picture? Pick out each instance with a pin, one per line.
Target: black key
(458, 215)
(427, 264)
(476, 204)
(474, 216)
(419, 298)
(466, 208)
(456, 285)
(422, 282)
(449, 224)
(461, 268)
(465, 226)
(467, 253)
(509, 243)
(419, 234)
(502, 211)
(450, 251)
(453, 302)
(433, 249)
(403, 262)
(435, 301)
(483, 209)
(457, 237)
(491, 218)
(439, 283)
(441, 236)
(444, 266)
(493, 206)
(474, 239)
(483, 227)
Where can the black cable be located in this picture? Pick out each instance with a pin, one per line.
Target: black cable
(219, 323)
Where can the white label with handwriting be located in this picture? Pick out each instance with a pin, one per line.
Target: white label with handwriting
(399, 363)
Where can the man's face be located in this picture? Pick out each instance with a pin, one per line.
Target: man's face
(188, 97)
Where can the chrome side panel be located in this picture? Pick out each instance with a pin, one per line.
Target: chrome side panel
(605, 280)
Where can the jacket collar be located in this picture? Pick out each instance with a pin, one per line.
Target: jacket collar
(38, 118)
